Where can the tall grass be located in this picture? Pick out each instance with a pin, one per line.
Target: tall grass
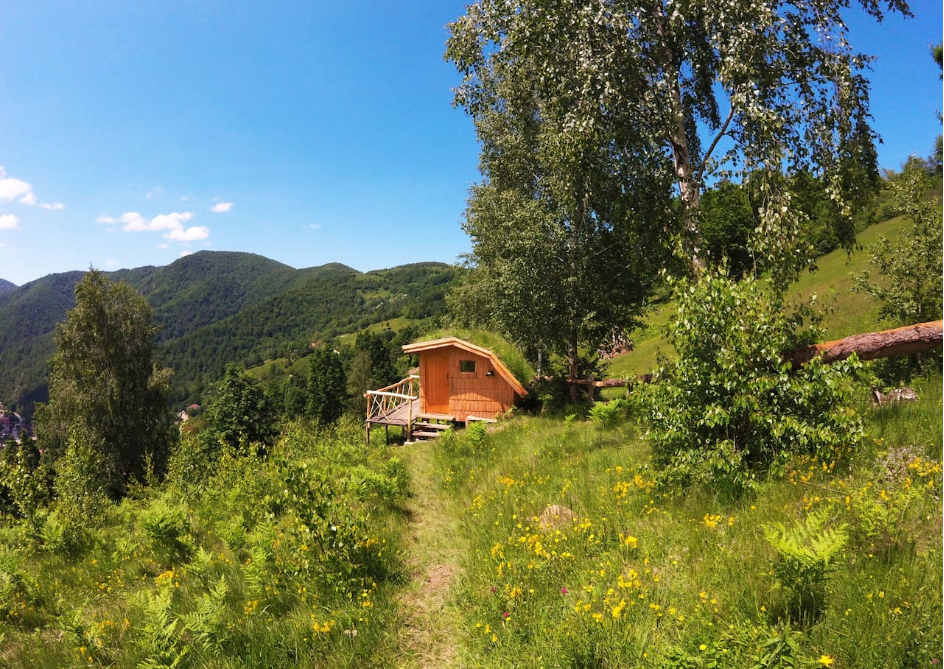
(292, 560)
(640, 576)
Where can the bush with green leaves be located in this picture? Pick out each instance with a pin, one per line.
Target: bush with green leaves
(730, 406)
(25, 479)
(81, 487)
(605, 413)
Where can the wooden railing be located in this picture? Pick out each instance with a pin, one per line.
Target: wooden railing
(393, 405)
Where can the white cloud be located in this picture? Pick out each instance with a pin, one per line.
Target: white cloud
(15, 189)
(163, 245)
(193, 234)
(185, 253)
(172, 223)
(312, 226)
(111, 263)
(55, 206)
(221, 207)
(9, 222)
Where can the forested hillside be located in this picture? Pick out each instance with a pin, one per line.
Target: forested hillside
(6, 286)
(213, 308)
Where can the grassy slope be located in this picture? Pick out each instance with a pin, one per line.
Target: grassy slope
(847, 314)
(642, 579)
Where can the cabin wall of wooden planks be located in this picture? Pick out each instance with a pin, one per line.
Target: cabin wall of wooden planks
(470, 393)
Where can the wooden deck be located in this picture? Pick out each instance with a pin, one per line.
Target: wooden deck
(400, 415)
(397, 404)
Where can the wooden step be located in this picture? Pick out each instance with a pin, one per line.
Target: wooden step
(420, 434)
(432, 426)
(436, 416)
(472, 419)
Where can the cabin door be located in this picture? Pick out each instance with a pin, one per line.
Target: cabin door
(435, 380)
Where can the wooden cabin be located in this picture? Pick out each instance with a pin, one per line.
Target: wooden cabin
(457, 382)
(462, 380)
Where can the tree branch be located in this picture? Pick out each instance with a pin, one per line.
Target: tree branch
(714, 143)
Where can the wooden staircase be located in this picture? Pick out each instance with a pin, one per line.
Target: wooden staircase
(431, 425)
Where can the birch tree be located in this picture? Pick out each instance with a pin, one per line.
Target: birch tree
(686, 91)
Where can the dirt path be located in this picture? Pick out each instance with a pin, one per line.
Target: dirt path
(429, 631)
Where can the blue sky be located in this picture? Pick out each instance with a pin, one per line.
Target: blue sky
(309, 132)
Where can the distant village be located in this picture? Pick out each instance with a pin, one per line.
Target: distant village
(13, 427)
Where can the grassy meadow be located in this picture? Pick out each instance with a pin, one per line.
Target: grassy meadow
(538, 542)
(623, 574)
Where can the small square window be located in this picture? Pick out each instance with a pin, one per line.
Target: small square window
(467, 366)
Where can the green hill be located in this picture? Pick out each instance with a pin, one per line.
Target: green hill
(6, 286)
(213, 308)
(846, 313)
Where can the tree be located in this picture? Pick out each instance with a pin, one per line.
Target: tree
(241, 413)
(681, 93)
(105, 388)
(563, 225)
(909, 288)
(327, 386)
(727, 223)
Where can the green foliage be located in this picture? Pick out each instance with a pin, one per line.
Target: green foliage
(241, 414)
(727, 221)
(605, 413)
(105, 388)
(327, 386)
(25, 479)
(81, 487)
(167, 526)
(472, 442)
(910, 267)
(806, 552)
(194, 458)
(271, 562)
(730, 406)
(635, 104)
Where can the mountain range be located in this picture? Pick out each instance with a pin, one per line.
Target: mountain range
(216, 307)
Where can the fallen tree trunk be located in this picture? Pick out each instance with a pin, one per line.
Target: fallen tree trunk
(609, 383)
(870, 345)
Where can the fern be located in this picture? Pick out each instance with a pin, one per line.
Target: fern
(161, 633)
(206, 623)
(806, 553)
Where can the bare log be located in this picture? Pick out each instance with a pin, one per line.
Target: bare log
(870, 345)
(611, 383)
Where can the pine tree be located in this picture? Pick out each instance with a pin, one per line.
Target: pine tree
(327, 386)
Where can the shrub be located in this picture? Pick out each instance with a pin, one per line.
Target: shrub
(167, 526)
(194, 459)
(81, 486)
(730, 407)
(24, 479)
(605, 413)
